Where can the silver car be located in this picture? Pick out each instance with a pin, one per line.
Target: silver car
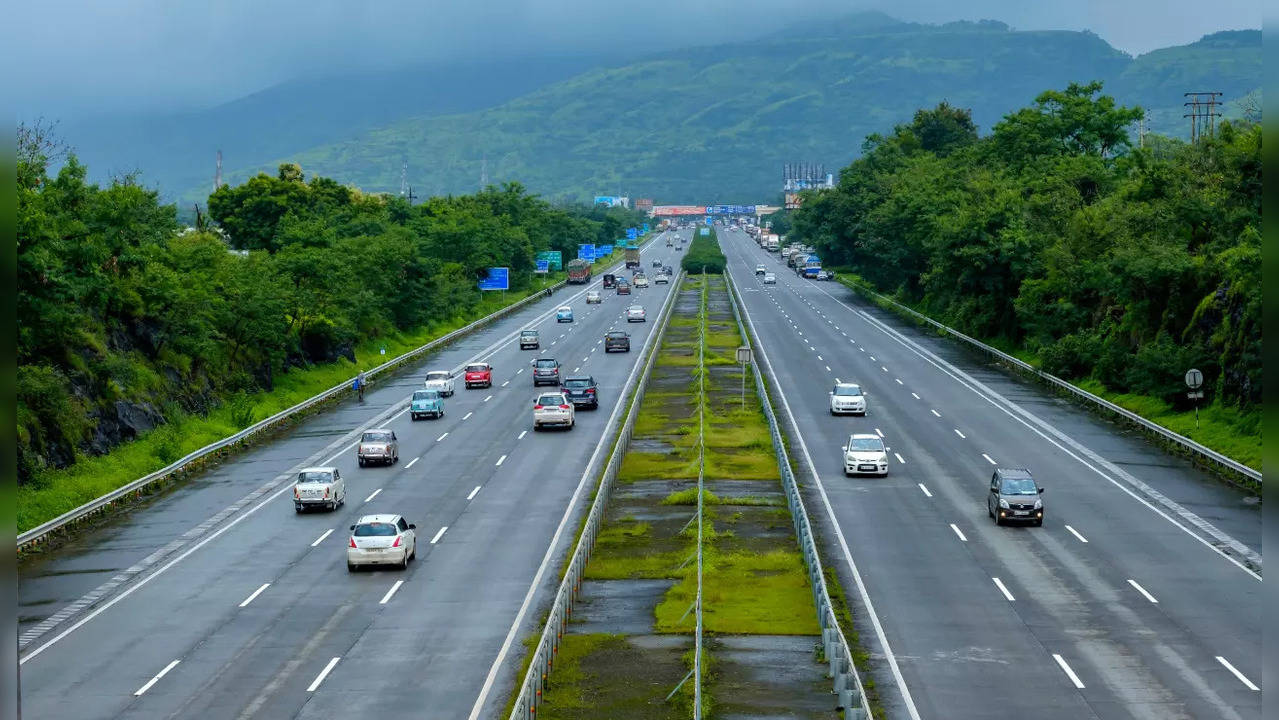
(865, 454)
(770, 279)
(381, 540)
(379, 446)
(847, 398)
(635, 313)
(319, 487)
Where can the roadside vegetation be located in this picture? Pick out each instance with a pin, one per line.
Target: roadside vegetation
(1059, 240)
(140, 340)
(703, 253)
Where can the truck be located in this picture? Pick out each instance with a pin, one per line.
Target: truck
(811, 266)
(772, 243)
(632, 257)
(579, 271)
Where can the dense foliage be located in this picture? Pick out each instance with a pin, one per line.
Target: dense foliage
(125, 317)
(1056, 236)
(704, 255)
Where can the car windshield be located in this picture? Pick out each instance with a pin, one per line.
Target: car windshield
(376, 437)
(852, 390)
(616, 335)
(566, 309)
(313, 476)
(546, 363)
(438, 375)
(1019, 486)
(577, 383)
(635, 308)
(550, 400)
(426, 395)
(376, 529)
(529, 333)
(476, 368)
(865, 445)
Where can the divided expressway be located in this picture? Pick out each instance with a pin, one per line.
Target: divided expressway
(1123, 605)
(218, 601)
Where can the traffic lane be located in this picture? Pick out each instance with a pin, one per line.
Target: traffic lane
(248, 554)
(49, 582)
(1100, 582)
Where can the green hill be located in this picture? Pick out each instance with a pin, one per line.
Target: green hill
(715, 124)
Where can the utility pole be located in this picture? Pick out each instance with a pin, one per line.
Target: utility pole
(1203, 113)
(410, 196)
(217, 173)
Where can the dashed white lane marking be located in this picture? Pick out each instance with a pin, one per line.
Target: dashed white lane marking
(517, 372)
(1142, 590)
(501, 460)
(441, 437)
(989, 459)
(881, 367)
(1075, 532)
(256, 593)
(879, 432)
(899, 381)
(439, 535)
(490, 397)
(586, 358)
(1248, 683)
(552, 342)
(1069, 673)
(164, 672)
(412, 462)
(505, 383)
(522, 434)
(957, 432)
(836, 379)
(467, 415)
(1000, 584)
(471, 495)
(900, 459)
(370, 497)
(916, 395)
(577, 369)
(859, 347)
(819, 357)
(592, 350)
(960, 533)
(934, 412)
(872, 358)
(828, 368)
(323, 535)
(924, 489)
(387, 597)
(544, 350)
(315, 684)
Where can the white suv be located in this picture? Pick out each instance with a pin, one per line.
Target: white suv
(847, 398)
(553, 409)
(865, 454)
(381, 540)
(318, 487)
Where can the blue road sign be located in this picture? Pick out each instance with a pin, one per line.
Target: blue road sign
(586, 252)
(603, 251)
(543, 266)
(498, 278)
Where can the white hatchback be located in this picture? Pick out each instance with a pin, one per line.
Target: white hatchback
(553, 409)
(381, 540)
(847, 398)
(865, 454)
(593, 297)
(440, 381)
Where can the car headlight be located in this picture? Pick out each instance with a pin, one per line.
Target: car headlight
(1003, 503)
(1039, 504)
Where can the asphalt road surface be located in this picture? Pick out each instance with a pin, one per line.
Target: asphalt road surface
(1141, 595)
(217, 601)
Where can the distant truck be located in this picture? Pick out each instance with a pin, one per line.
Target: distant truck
(632, 257)
(579, 271)
(772, 243)
(812, 266)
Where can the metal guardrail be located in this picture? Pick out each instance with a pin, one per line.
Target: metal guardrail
(1195, 449)
(544, 654)
(850, 695)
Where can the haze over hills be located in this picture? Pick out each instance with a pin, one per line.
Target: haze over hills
(710, 123)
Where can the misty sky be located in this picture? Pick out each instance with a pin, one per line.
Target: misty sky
(67, 56)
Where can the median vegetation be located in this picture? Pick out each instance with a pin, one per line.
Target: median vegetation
(703, 253)
(1058, 239)
(141, 340)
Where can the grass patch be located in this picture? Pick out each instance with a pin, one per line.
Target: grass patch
(656, 466)
(688, 496)
(745, 593)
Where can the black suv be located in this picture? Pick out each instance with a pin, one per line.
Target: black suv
(582, 392)
(617, 341)
(1013, 496)
(546, 372)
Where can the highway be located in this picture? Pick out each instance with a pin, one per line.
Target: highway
(216, 600)
(1140, 597)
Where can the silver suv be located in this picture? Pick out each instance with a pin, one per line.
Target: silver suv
(1014, 497)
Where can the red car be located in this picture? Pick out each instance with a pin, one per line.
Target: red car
(479, 375)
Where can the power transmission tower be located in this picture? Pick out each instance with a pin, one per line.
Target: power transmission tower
(410, 196)
(217, 173)
(404, 178)
(1203, 113)
(484, 172)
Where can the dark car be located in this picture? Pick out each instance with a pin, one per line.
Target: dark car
(1014, 497)
(528, 340)
(657, 263)
(668, 271)
(610, 280)
(546, 372)
(582, 392)
(617, 341)
(623, 287)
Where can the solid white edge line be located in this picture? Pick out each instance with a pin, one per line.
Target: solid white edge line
(1000, 584)
(387, 597)
(324, 535)
(924, 489)
(439, 535)
(960, 533)
(1075, 532)
(375, 494)
(889, 656)
(256, 593)
(323, 674)
(1061, 662)
(471, 494)
(412, 462)
(161, 674)
(1242, 678)
(1142, 590)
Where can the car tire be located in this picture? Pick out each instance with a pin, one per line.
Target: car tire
(413, 416)
(361, 461)
(350, 568)
(413, 553)
(832, 411)
(297, 508)
(1039, 522)
(995, 517)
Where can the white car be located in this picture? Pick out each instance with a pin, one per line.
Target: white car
(865, 454)
(381, 540)
(635, 313)
(319, 487)
(761, 270)
(770, 279)
(593, 297)
(640, 281)
(662, 279)
(441, 381)
(847, 398)
(553, 409)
